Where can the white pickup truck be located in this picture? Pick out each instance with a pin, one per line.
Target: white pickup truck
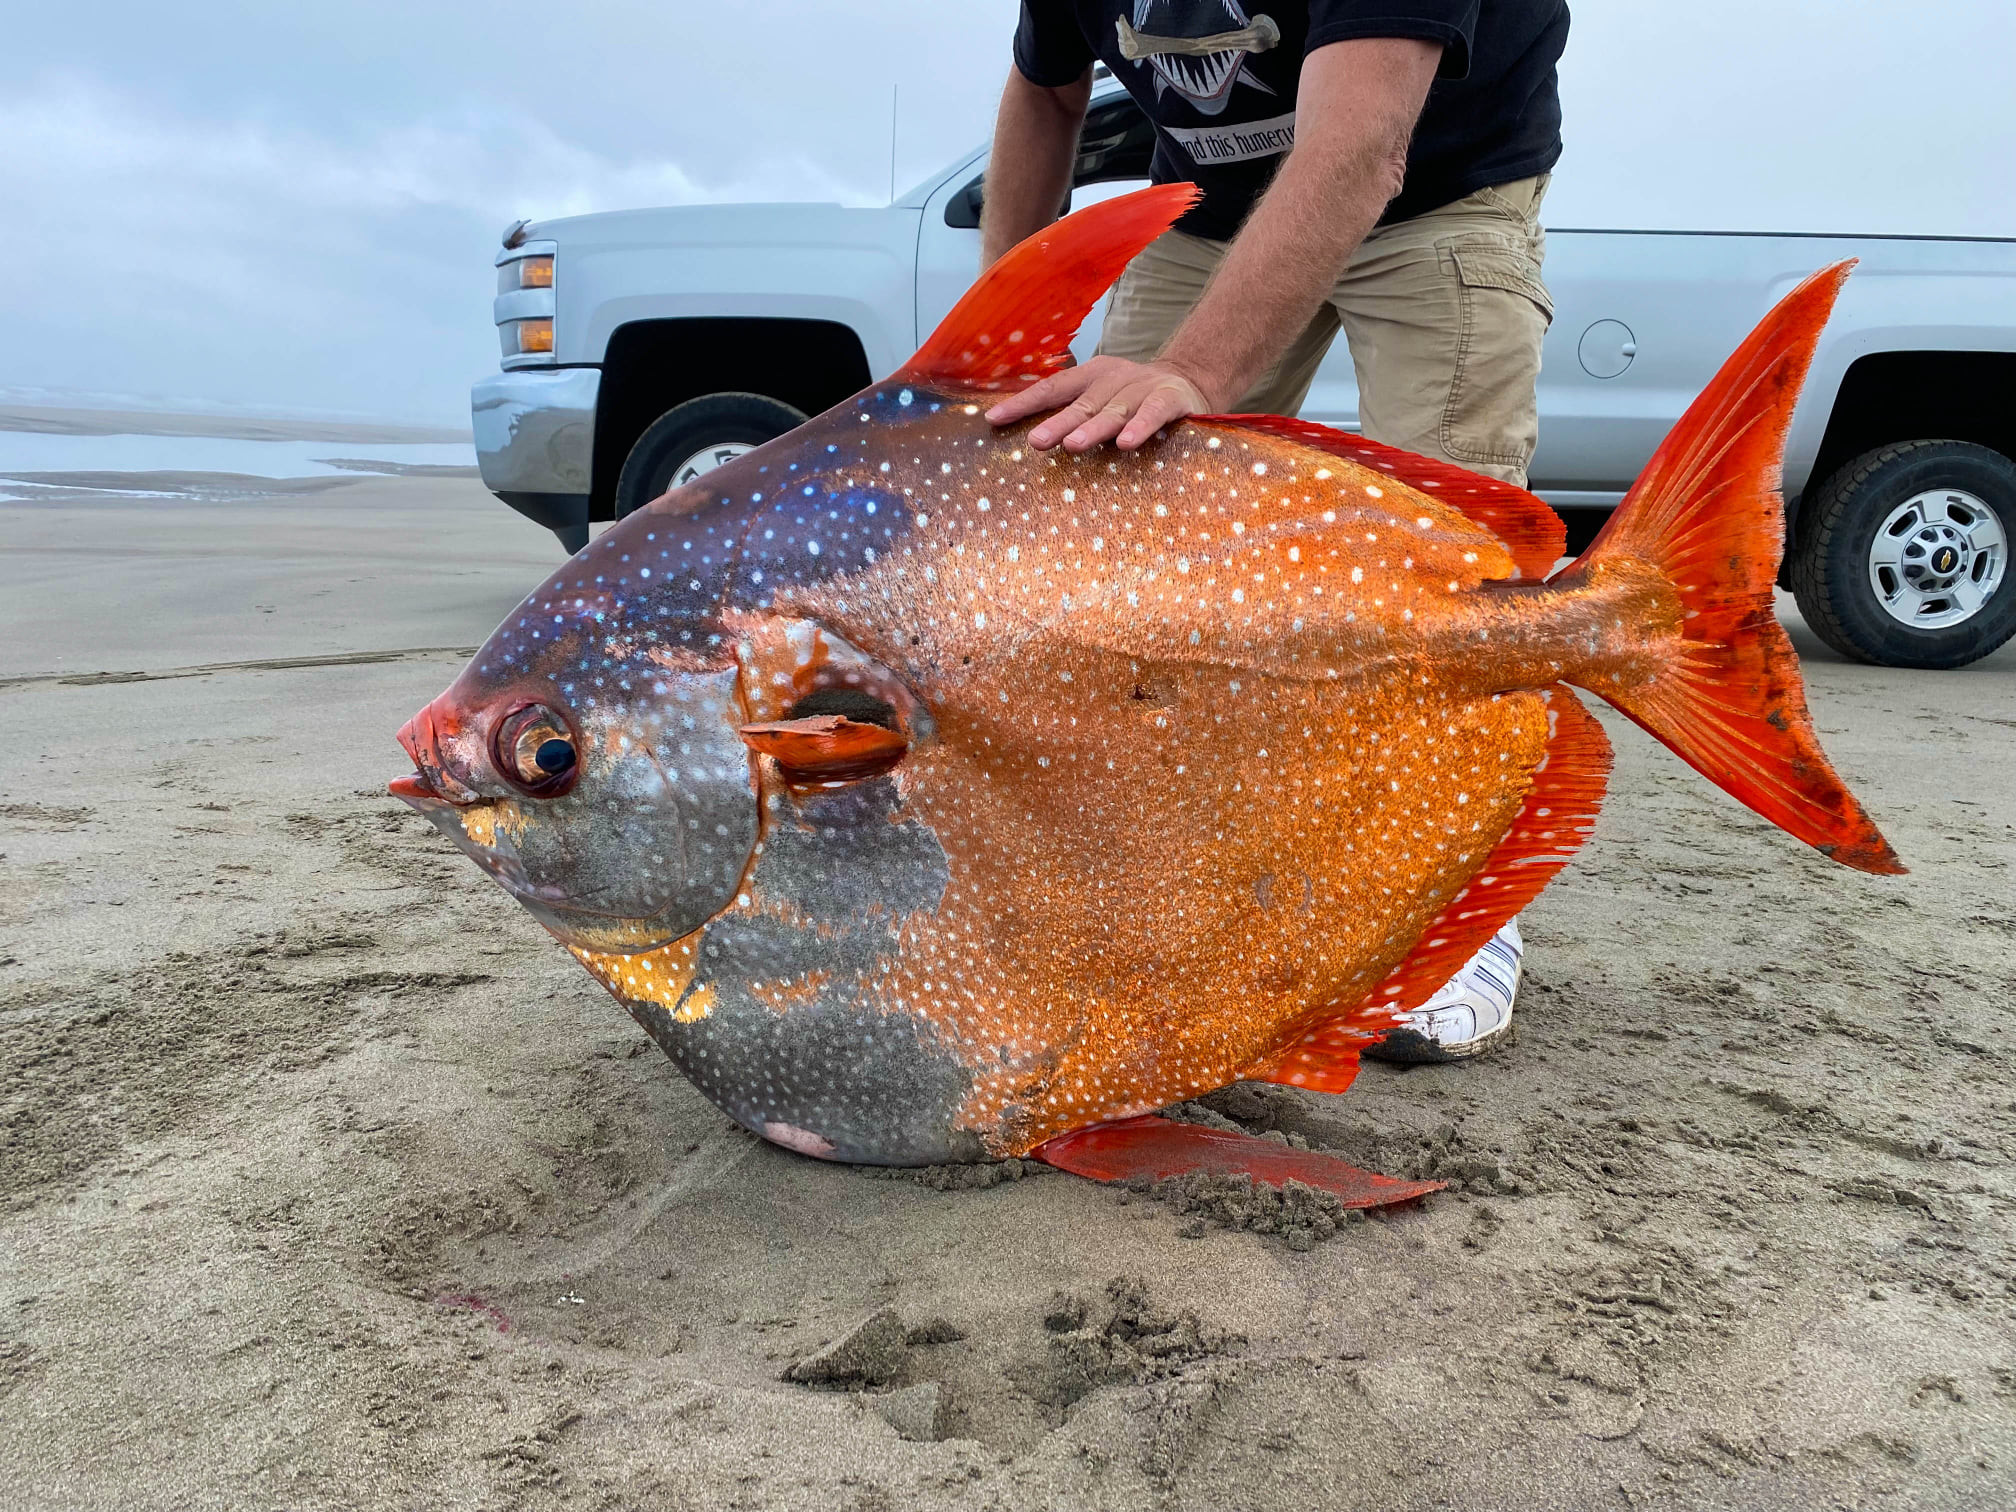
(642, 347)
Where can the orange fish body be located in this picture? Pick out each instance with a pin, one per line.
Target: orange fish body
(990, 795)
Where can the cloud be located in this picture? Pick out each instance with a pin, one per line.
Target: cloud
(296, 206)
(347, 270)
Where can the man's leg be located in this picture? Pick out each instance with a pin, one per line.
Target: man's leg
(1445, 314)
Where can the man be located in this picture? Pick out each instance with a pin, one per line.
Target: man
(1374, 164)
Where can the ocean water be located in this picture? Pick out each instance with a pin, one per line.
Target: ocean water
(37, 452)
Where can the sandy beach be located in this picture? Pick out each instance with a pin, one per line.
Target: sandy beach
(330, 1181)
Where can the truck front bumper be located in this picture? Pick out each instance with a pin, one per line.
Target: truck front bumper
(535, 443)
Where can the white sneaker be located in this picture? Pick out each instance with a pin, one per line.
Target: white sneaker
(1469, 1014)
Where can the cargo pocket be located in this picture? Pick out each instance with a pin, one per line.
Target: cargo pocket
(1491, 417)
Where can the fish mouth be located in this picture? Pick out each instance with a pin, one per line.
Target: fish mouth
(431, 780)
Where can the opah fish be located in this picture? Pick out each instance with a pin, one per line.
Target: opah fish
(930, 798)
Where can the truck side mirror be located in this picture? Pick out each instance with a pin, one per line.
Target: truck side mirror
(962, 211)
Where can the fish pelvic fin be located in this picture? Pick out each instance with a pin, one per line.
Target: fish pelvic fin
(1015, 324)
(1555, 817)
(1153, 1149)
(1531, 531)
(1707, 515)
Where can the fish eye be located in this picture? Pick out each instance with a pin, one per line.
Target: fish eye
(536, 752)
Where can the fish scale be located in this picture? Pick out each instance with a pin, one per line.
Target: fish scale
(929, 797)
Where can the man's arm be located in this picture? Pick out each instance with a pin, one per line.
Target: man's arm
(1029, 170)
(1356, 106)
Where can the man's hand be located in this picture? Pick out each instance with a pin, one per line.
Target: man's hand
(1357, 104)
(1105, 398)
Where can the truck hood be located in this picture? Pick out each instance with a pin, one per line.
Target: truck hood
(788, 225)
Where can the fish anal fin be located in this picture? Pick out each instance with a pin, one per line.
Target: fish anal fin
(1557, 814)
(1533, 533)
(1153, 1149)
(1015, 324)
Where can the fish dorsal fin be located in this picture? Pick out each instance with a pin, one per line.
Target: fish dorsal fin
(1015, 324)
(1532, 531)
(1553, 820)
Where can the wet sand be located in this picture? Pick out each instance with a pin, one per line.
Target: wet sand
(329, 1181)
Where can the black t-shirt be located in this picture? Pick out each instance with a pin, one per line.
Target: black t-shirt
(1225, 115)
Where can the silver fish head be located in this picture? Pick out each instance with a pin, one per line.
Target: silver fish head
(589, 758)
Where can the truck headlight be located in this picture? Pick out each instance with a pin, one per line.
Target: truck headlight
(525, 273)
(526, 301)
(523, 337)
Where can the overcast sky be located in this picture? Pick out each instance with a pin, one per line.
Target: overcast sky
(291, 208)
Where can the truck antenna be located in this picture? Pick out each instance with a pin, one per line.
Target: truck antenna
(894, 89)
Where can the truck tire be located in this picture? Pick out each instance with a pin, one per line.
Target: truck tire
(1903, 555)
(696, 437)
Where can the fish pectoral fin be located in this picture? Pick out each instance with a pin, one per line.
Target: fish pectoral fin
(1154, 1148)
(826, 747)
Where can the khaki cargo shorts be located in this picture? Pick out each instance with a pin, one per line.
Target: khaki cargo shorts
(1444, 314)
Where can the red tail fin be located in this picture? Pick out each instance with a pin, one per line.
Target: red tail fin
(1707, 514)
(1016, 323)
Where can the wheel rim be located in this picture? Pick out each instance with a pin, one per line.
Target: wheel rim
(707, 459)
(1938, 558)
